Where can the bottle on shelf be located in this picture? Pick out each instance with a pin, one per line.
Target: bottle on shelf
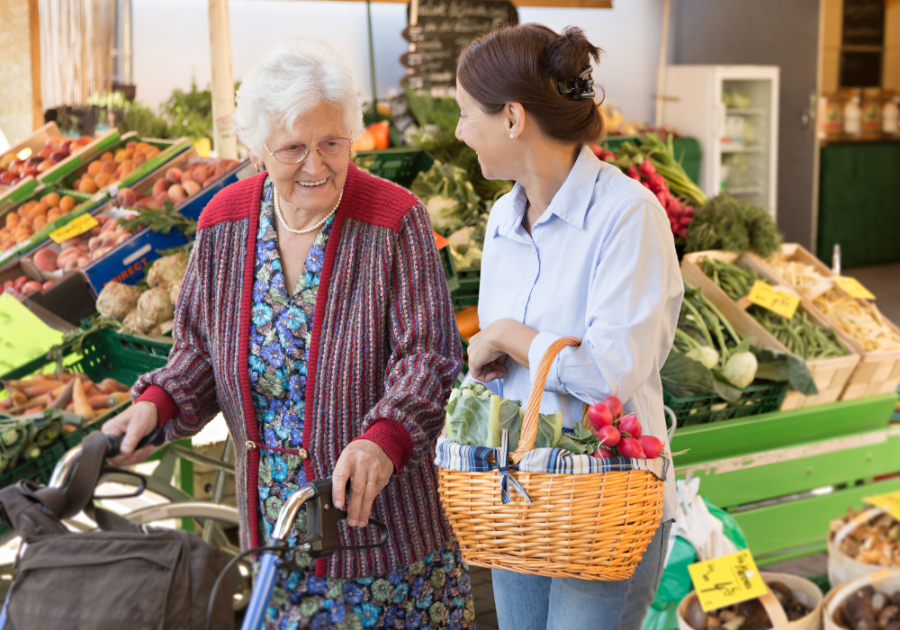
(890, 116)
(853, 117)
(871, 111)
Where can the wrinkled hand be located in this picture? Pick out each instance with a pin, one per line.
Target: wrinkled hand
(369, 469)
(136, 422)
(486, 361)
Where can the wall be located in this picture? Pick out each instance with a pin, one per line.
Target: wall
(16, 113)
(171, 42)
(831, 45)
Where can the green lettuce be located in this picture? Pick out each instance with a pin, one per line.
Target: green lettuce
(476, 417)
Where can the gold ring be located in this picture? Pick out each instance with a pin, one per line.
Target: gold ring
(372, 484)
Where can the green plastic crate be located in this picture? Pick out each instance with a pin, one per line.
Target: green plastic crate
(399, 165)
(755, 400)
(467, 293)
(37, 470)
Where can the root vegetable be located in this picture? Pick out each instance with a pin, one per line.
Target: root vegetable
(630, 447)
(116, 300)
(132, 323)
(608, 435)
(111, 382)
(79, 398)
(116, 399)
(154, 307)
(167, 270)
(175, 291)
(629, 424)
(652, 446)
(600, 415)
(99, 401)
(614, 404)
(162, 329)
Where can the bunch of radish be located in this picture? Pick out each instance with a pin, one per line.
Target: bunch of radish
(23, 286)
(602, 153)
(681, 215)
(620, 433)
(79, 251)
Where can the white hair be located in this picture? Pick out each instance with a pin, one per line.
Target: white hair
(296, 76)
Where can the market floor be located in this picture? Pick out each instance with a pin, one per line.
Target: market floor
(884, 282)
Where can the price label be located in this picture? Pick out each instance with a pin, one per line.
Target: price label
(73, 228)
(889, 503)
(773, 298)
(727, 580)
(854, 288)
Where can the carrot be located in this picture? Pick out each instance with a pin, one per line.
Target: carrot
(39, 390)
(104, 388)
(31, 410)
(115, 384)
(99, 401)
(37, 400)
(117, 399)
(70, 407)
(33, 382)
(6, 403)
(88, 386)
(65, 378)
(69, 428)
(19, 397)
(82, 406)
(63, 396)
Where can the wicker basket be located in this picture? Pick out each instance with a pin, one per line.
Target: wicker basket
(590, 526)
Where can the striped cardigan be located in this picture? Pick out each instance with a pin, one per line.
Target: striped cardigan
(383, 357)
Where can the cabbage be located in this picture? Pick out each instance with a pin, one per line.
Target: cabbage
(476, 417)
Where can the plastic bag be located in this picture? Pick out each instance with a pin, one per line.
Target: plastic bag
(701, 531)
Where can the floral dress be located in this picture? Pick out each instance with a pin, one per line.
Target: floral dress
(433, 593)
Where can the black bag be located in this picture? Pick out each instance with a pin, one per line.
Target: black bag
(122, 577)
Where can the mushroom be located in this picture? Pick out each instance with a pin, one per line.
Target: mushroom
(888, 614)
(694, 614)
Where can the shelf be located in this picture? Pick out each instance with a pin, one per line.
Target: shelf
(744, 112)
(737, 148)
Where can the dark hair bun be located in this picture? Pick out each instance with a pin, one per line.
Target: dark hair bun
(524, 64)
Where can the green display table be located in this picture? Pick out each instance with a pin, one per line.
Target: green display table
(858, 202)
(785, 475)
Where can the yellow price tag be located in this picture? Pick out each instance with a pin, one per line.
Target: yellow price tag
(73, 228)
(889, 502)
(776, 300)
(854, 287)
(727, 580)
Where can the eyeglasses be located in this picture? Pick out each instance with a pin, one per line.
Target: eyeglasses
(294, 153)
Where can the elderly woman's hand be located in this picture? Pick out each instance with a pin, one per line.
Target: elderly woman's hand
(136, 422)
(369, 469)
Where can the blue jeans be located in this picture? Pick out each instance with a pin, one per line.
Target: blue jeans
(534, 602)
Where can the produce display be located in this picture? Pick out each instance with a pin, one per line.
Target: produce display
(177, 185)
(14, 169)
(860, 320)
(876, 542)
(79, 251)
(149, 311)
(73, 393)
(376, 136)
(33, 216)
(868, 609)
(113, 166)
(800, 334)
(477, 417)
(23, 286)
(748, 615)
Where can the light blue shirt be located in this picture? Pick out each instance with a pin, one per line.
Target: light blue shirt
(600, 265)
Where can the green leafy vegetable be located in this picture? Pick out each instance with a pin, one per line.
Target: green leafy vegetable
(733, 225)
(580, 442)
(161, 220)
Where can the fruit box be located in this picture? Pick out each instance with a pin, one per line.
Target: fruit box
(168, 150)
(83, 203)
(109, 210)
(878, 372)
(830, 375)
(57, 305)
(79, 158)
(34, 143)
(193, 205)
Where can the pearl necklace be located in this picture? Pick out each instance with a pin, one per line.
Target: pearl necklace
(309, 229)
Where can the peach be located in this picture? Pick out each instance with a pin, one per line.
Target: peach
(51, 200)
(94, 243)
(32, 286)
(84, 261)
(107, 155)
(66, 204)
(87, 186)
(132, 145)
(126, 197)
(45, 259)
(108, 239)
(126, 166)
(109, 226)
(174, 175)
(39, 223)
(160, 199)
(46, 165)
(191, 187)
(139, 159)
(53, 142)
(101, 252)
(47, 284)
(39, 210)
(159, 186)
(54, 214)
(102, 179)
(122, 238)
(176, 193)
(108, 166)
(94, 167)
(12, 219)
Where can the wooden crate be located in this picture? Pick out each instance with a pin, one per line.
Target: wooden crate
(83, 156)
(877, 372)
(830, 375)
(35, 142)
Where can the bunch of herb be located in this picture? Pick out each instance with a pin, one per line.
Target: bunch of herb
(733, 225)
(161, 220)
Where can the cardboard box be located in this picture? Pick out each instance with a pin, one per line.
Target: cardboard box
(68, 300)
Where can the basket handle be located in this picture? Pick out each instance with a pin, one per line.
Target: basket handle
(532, 411)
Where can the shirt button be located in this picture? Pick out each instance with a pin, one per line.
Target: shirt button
(303, 453)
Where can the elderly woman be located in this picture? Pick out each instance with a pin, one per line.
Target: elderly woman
(315, 316)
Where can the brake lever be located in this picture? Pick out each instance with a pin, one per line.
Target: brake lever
(157, 437)
(322, 519)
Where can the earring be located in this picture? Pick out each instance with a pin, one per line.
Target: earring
(512, 136)
(257, 168)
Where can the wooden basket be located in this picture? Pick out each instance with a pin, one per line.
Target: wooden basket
(830, 375)
(877, 372)
(591, 526)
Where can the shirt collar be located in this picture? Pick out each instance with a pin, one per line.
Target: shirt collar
(570, 203)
